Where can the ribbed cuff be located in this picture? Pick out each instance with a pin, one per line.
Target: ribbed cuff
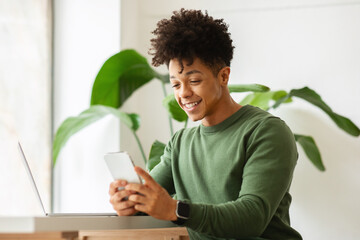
(196, 216)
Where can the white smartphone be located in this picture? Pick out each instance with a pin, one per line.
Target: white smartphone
(121, 167)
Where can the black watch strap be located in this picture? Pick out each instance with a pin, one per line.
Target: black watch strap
(182, 213)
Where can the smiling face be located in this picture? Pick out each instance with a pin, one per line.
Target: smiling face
(201, 94)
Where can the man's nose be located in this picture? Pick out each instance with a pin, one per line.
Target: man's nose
(185, 91)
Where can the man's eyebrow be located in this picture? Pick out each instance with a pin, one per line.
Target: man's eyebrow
(187, 74)
(192, 72)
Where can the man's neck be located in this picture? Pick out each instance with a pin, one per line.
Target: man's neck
(225, 111)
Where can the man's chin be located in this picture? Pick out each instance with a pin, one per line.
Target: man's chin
(194, 118)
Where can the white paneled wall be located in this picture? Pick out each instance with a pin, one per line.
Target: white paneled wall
(86, 33)
(25, 103)
(285, 45)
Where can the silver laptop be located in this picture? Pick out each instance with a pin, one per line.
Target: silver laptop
(32, 180)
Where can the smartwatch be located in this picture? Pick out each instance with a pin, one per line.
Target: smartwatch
(182, 212)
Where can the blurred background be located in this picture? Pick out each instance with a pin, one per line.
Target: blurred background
(51, 51)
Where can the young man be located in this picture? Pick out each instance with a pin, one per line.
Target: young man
(230, 176)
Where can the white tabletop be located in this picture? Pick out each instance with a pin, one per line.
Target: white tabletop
(45, 224)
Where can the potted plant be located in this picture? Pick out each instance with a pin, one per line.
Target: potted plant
(125, 72)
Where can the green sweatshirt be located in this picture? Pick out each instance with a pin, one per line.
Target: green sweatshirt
(235, 175)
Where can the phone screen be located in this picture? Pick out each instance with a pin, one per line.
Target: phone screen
(121, 167)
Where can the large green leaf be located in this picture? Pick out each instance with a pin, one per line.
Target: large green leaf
(74, 124)
(165, 78)
(248, 88)
(311, 150)
(135, 119)
(247, 100)
(280, 94)
(175, 111)
(157, 150)
(312, 97)
(260, 100)
(120, 76)
(263, 99)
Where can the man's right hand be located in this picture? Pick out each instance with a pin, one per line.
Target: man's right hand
(118, 198)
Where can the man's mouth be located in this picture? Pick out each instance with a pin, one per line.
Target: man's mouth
(191, 105)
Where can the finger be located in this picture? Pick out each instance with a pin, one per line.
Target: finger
(141, 208)
(124, 205)
(136, 198)
(146, 176)
(115, 185)
(119, 196)
(112, 188)
(138, 188)
(115, 199)
(127, 212)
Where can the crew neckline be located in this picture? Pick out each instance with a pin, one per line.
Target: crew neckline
(224, 124)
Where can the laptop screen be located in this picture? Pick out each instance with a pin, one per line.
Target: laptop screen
(33, 184)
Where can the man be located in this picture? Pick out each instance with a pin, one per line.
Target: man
(230, 176)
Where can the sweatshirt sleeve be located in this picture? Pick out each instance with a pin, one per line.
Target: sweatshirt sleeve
(271, 158)
(162, 173)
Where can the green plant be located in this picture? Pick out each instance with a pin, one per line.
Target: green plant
(125, 72)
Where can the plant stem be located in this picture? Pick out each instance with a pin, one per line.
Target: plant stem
(140, 146)
(186, 123)
(170, 121)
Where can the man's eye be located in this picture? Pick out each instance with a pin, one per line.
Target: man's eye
(195, 81)
(175, 85)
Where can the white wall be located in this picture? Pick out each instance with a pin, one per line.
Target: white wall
(86, 33)
(25, 103)
(285, 45)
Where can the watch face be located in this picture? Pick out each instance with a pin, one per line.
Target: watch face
(183, 210)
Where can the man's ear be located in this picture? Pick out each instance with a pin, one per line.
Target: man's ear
(224, 75)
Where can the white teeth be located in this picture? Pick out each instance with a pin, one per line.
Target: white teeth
(190, 105)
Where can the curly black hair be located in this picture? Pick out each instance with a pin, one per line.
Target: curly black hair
(190, 34)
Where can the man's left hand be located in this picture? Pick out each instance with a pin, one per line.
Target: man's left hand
(151, 198)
